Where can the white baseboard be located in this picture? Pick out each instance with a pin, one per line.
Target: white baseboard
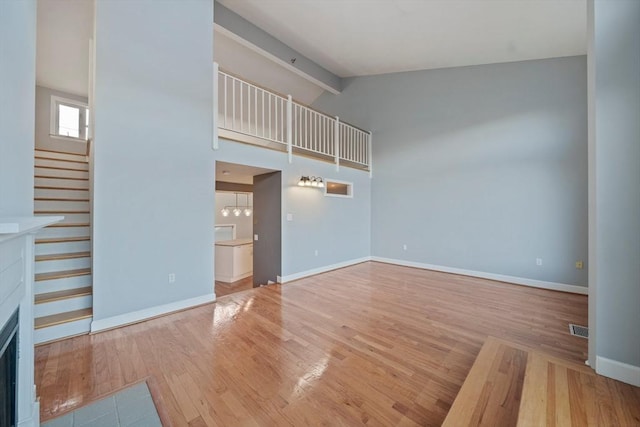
(618, 371)
(149, 313)
(491, 276)
(314, 271)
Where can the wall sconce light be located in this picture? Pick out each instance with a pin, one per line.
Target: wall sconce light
(237, 210)
(313, 181)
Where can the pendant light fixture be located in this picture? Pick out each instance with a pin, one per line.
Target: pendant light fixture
(247, 210)
(237, 209)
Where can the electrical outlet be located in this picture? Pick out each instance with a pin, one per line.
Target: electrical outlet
(404, 247)
(538, 261)
(579, 265)
(172, 277)
(316, 252)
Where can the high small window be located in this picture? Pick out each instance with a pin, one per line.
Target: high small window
(69, 118)
(334, 188)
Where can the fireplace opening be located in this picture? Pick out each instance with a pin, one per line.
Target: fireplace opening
(9, 372)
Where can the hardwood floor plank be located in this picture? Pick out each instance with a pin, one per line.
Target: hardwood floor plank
(371, 344)
(491, 392)
(562, 404)
(557, 393)
(224, 288)
(462, 413)
(535, 393)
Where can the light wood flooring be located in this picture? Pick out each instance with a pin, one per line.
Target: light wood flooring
(371, 344)
(490, 395)
(513, 385)
(224, 288)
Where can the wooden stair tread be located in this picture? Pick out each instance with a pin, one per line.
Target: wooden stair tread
(51, 187)
(68, 225)
(70, 255)
(492, 391)
(49, 150)
(62, 239)
(61, 160)
(62, 274)
(61, 177)
(58, 199)
(60, 168)
(58, 319)
(62, 295)
(58, 211)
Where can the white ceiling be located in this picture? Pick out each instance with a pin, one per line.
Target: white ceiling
(62, 62)
(238, 59)
(62, 58)
(348, 37)
(365, 37)
(238, 174)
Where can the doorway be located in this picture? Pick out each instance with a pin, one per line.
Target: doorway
(247, 251)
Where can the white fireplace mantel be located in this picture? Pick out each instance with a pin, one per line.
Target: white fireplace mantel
(12, 227)
(16, 291)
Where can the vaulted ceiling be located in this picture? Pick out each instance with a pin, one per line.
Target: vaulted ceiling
(62, 58)
(365, 37)
(346, 37)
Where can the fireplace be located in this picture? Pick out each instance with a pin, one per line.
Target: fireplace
(9, 371)
(18, 399)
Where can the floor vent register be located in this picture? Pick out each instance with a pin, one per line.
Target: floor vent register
(579, 331)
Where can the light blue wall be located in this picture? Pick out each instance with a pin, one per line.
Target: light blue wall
(616, 179)
(480, 168)
(17, 97)
(153, 173)
(339, 228)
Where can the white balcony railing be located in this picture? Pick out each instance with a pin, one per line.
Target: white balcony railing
(245, 109)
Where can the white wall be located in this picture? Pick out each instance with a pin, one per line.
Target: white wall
(614, 93)
(17, 94)
(17, 111)
(154, 167)
(338, 228)
(244, 224)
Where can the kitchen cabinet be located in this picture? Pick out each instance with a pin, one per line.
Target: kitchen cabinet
(233, 260)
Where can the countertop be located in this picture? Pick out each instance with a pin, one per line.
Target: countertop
(236, 242)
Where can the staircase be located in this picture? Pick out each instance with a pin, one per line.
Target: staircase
(63, 292)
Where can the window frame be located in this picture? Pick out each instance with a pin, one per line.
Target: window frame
(349, 185)
(54, 119)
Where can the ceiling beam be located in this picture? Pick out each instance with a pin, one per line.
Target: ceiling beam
(234, 186)
(244, 32)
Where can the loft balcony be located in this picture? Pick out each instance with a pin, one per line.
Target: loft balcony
(254, 115)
